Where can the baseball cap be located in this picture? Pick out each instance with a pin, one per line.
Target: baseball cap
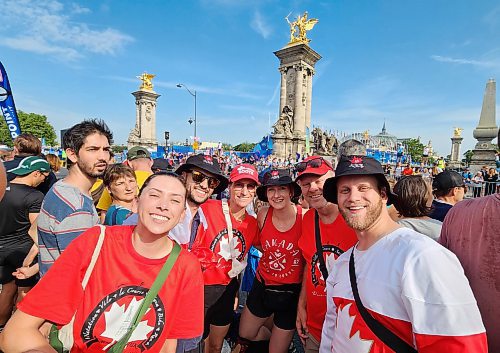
(315, 165)
(31, 164)
(137, 152)
(446, 180)
(244, 171)
(356, 165)
(5, 148)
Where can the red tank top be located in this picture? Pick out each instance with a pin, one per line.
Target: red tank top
(282, 261)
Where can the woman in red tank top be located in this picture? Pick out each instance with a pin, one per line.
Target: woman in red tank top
(279, 275)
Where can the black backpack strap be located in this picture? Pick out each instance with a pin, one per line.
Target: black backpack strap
(383, 333)
(319, 246)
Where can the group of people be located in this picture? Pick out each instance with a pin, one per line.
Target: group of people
(350, 266)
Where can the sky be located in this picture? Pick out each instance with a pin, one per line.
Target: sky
(420, 66)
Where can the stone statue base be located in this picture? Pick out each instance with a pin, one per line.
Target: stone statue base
(484, 154)
(284, 146)
(144, 132)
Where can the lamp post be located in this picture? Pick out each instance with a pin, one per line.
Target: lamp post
(193, 93)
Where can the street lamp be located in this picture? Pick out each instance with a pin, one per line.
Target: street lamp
(194, 95)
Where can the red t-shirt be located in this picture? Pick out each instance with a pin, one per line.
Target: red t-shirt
(212, 247)
(281, 261)
(117, 286)
(336, 238)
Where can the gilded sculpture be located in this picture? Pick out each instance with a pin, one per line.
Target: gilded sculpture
(299, 28)
(147, 84)
(457, 132)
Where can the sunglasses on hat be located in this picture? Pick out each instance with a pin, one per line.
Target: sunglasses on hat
(198, 178)
(312, 163)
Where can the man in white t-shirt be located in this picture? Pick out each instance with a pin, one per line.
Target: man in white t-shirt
(395, 279)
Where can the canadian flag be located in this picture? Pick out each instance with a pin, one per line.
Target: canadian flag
(411, 285)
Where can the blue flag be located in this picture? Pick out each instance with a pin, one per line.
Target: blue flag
(7, 105)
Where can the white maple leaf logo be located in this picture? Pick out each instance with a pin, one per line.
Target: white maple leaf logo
(118, 320)
(225, 248)
(330, 259)
(342, 339)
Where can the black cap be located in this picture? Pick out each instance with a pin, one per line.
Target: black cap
(446, 180)
(356, 165)
(208, 164)
(276, 177)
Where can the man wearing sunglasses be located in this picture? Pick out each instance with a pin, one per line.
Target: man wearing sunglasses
(335, 238)
(221, 253)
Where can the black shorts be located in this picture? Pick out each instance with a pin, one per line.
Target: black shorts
(10, 260)
(219, 304)
(281, 300)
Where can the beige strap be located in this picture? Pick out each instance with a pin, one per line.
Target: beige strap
(229, 224)
(95, 255)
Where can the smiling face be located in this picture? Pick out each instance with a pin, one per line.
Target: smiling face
(279, 196)
(161, 205)
(242, 192)
(198, 193)
(123, 189)
(360, 201)
(312, 189)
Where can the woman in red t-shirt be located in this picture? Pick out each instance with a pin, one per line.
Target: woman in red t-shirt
(126, 267)
(279, 275)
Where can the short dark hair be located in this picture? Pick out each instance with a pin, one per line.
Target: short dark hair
(75, 136)
(152, 176)
(412, 195)
(28, 144)
(352, 147)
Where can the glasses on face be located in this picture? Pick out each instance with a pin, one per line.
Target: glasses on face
(250, 186)
(198, 178)
(313, 163)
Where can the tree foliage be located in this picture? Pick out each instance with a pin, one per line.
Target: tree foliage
(118, 148)
(32, 123)
(468, 156)
(415, 149)
(244, 147)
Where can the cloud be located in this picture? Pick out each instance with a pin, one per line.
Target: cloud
(492, 18)
(260, 26)
(477, 63)
(47, 27)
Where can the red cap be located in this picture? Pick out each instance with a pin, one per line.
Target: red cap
(244, 171)
(311, 169)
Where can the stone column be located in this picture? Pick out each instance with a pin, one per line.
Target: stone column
(486, 130)
(296, 61)
(283, 88)
(455, 159)
(144, 133)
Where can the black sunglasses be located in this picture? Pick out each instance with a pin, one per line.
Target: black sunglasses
(198, 178)
(313, 163)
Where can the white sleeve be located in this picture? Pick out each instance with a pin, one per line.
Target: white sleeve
(437, 295)
(330, 318)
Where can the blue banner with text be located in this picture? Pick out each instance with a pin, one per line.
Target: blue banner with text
(7, 105)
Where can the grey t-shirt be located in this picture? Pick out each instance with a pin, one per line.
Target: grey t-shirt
(429, 227)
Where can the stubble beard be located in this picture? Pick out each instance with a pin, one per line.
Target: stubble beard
(360, 224)
(190, 197)
(88, 170)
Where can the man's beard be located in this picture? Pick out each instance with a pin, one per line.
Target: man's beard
(191, 198)
(373, 212)
(89, 171)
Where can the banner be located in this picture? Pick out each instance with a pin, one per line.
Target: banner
(7, 105)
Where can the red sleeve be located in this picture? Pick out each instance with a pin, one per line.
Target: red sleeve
(189, 300)
(56, 297)
(452, 344)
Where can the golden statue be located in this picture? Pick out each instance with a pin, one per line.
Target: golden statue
(366, 135)
(147, 84)
(457, 132)
(302, 24)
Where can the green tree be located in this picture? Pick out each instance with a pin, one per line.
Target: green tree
(227, 147)
(244, 147)
(468, 156)
(32, 123)
(118, 148)
(415, 149)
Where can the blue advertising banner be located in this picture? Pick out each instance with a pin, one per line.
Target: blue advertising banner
(7, 105)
